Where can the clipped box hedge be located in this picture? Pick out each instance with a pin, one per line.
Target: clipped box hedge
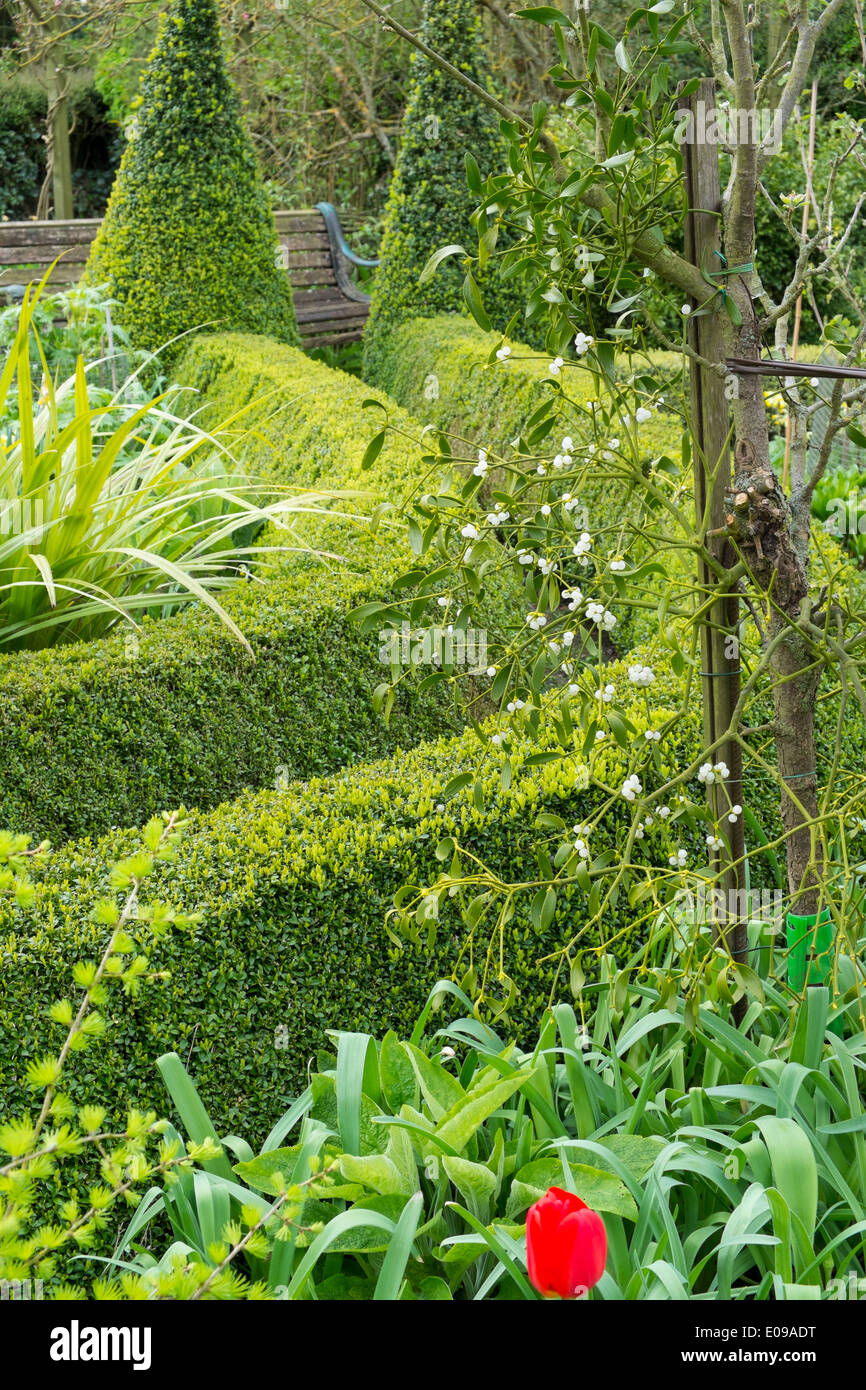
(436, 368)
(439, 369)
(94, 735)
(294, 886)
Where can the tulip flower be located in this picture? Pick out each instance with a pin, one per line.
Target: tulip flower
(566, 1244)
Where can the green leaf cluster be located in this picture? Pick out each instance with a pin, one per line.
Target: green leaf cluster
(189, 238)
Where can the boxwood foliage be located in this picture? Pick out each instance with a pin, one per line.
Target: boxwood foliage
(430, 203)
(189, 236)
(294, 886)
(438, 368)
(105, 733)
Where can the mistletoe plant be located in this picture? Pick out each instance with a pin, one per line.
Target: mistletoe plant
(751, 585)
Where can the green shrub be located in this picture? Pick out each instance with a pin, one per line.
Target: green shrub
(293, 887)
(189, 236)
(22, 149)
(430, 204)
(105, 733)
(437, 368)
(95, 145)
(440, 368)
(62, 1167)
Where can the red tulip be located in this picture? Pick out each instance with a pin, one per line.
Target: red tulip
(566, 1244)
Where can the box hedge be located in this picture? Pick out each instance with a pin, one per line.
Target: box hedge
(294, 886)
(437, 369)
(102, 734)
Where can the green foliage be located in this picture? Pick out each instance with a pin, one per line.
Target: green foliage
(429, 204)
(67, 1166)
(520, 511)
(72, 323)
(293, 887)
(22, 113)
(94, 142)
(778, 227)
(840, 502)
(183, 712)
(109, 512)
(443, 369)
(189, 237)
(405, 1169)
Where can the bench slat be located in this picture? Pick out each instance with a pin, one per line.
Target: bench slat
(63, 275)
(334, 339)
(303, 259)
(312, 277)
(41, 254)
(329, 313)
(306, 241)
(325, 310)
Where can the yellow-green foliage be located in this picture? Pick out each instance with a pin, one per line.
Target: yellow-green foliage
(105, 733)
(438, 369)
(294, 887)
(189, 236)
(429, 204)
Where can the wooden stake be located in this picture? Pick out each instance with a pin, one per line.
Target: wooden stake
(720, 658)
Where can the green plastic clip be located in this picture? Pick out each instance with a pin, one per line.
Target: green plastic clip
(811, 955)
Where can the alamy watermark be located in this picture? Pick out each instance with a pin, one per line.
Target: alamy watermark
(729, 125)
(851, 1288)
(846, 516)
(710, 906)
(22, 516)
(435, 646)
(21, 1291)
(77, 1343)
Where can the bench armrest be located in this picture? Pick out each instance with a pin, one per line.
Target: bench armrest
(338, 241)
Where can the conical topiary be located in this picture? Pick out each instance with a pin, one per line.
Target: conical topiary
(429, 203)
(189, 235)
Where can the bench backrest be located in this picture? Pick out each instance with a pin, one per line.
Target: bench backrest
(325, 312)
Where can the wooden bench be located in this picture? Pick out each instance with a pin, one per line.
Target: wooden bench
(329, 305)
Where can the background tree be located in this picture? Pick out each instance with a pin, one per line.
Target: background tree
(55, 42)
(758, 550)
(189, 236)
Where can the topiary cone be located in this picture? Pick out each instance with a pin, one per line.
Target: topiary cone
(189, 235)
(429, 202)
